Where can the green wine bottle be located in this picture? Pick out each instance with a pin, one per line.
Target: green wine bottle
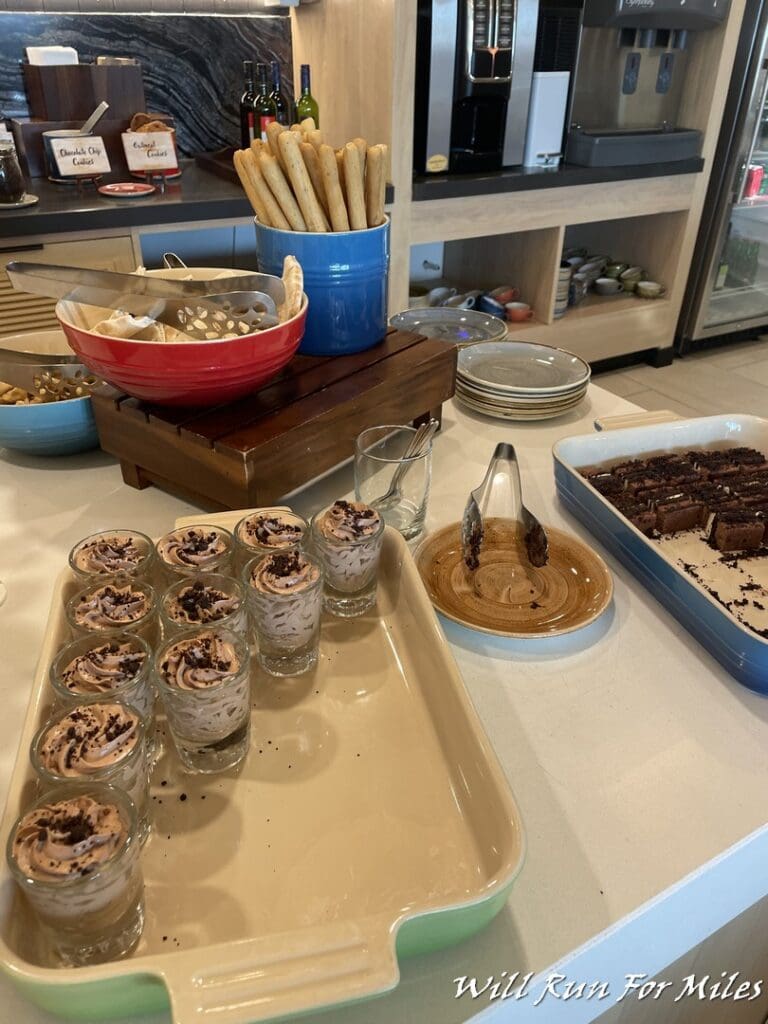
(306, 105)
(281, 103)
(264, 107)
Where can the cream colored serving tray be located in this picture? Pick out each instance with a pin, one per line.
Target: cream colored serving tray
(370, 820)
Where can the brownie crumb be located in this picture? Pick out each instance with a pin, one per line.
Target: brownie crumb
(182, 797)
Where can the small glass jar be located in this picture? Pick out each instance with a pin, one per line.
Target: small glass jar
(91, 910)
(206, 601)
(350, 560)
(11, 179)
(285, 597)
(192, 550)
(204, 679)
(94, 667)
(83, 744)
(114, 604)
(263, 533)
(112, 553)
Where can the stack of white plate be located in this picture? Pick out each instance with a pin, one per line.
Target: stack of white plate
(519, 380)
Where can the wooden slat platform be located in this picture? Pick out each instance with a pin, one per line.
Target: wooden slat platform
(298, 425)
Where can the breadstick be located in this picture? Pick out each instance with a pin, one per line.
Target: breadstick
(297, 128)
(374, 186)
(353, 176)
(275, 178)
(308, 125)
(315, 137)
(275, 216)
(256, 147)
(301, 182)
(274, 130)
(340, 170)
(337, 208)
(316, 175)
(258, 207)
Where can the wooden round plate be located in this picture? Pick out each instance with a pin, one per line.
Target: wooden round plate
(506, 596)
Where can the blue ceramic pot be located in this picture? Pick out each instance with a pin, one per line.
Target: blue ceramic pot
(53, 428)
(346, 276)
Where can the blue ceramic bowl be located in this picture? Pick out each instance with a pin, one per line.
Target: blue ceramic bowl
(53, 428)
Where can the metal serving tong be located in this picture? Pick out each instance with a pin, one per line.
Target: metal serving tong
(48, 378)
(202, 309)
(503, 473)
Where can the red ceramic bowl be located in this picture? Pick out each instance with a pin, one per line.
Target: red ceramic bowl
(189, 373)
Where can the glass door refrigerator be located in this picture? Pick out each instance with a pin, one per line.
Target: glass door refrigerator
(728, 283)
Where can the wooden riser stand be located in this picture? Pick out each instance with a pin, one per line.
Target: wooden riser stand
(302, 423)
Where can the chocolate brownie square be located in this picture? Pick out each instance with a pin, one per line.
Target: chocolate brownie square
(737, 530)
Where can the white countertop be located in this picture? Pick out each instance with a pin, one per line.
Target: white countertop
(639, 765)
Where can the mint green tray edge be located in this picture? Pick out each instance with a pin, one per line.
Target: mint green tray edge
(138, 994)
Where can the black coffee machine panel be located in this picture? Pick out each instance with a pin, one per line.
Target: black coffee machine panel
(474, 65)
(630, 80)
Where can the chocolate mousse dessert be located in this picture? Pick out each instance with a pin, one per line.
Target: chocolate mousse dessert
(204, 680)
(103, 741)
(201, 602)
(117, 603)
(263, 532)
(103, 667)
(112, 553)
(195, 549)
(75, 857)
(285, 596)
(348, 537)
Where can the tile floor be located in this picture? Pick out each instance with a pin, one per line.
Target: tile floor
(730, 378)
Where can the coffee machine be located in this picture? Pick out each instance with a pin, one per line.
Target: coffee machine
(474, 66)
(630, 78)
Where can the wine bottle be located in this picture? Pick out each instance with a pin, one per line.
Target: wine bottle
(263, 105)
(307, 104)
(247, 116)
(281, 103)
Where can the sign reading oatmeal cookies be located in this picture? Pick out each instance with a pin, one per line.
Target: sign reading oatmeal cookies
(86, 156)
(150, 151)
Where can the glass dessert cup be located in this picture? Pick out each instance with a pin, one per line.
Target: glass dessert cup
(350, 563)
(285, 597)
(205, 601)
(263, 533)
(84, 743)
(115, 667)
(94, 912)
(192, 550)
(114, 604)
(205, 684)
(112, 553)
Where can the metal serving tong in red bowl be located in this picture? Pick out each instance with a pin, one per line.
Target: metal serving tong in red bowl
(202, 309)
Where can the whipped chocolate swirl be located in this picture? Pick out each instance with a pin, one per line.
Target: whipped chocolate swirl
(203, 661)
(103, 668)
(271, 531)
(109, 555)
(347, 522)
(68, 839)
(284, 573)
(88, 739)
(110, 607)
(192, 548)
(199, 604)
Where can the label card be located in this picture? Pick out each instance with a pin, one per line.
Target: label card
(150, 151)
(85, 158)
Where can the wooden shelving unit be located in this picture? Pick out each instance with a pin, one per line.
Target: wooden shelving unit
(363, 57)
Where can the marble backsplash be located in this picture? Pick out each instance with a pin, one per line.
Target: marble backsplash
(192, 65)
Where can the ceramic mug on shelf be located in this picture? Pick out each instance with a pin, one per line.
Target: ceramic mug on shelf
(615, 269)
(630, 277)
(608, 286)
(649, 290)
(505, 293)
(439, 296)
(418, 297)
(578, 289)
(517, 312)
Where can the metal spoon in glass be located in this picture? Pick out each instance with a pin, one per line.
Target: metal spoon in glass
(502, 469)
(416, 447)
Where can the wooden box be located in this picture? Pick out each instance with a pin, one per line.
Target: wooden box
(297, 426)
(71, 92)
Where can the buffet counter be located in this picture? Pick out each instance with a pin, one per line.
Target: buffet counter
(638, 764)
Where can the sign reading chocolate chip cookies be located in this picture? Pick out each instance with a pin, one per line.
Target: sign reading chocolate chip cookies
(80, 157)
(150, 151)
